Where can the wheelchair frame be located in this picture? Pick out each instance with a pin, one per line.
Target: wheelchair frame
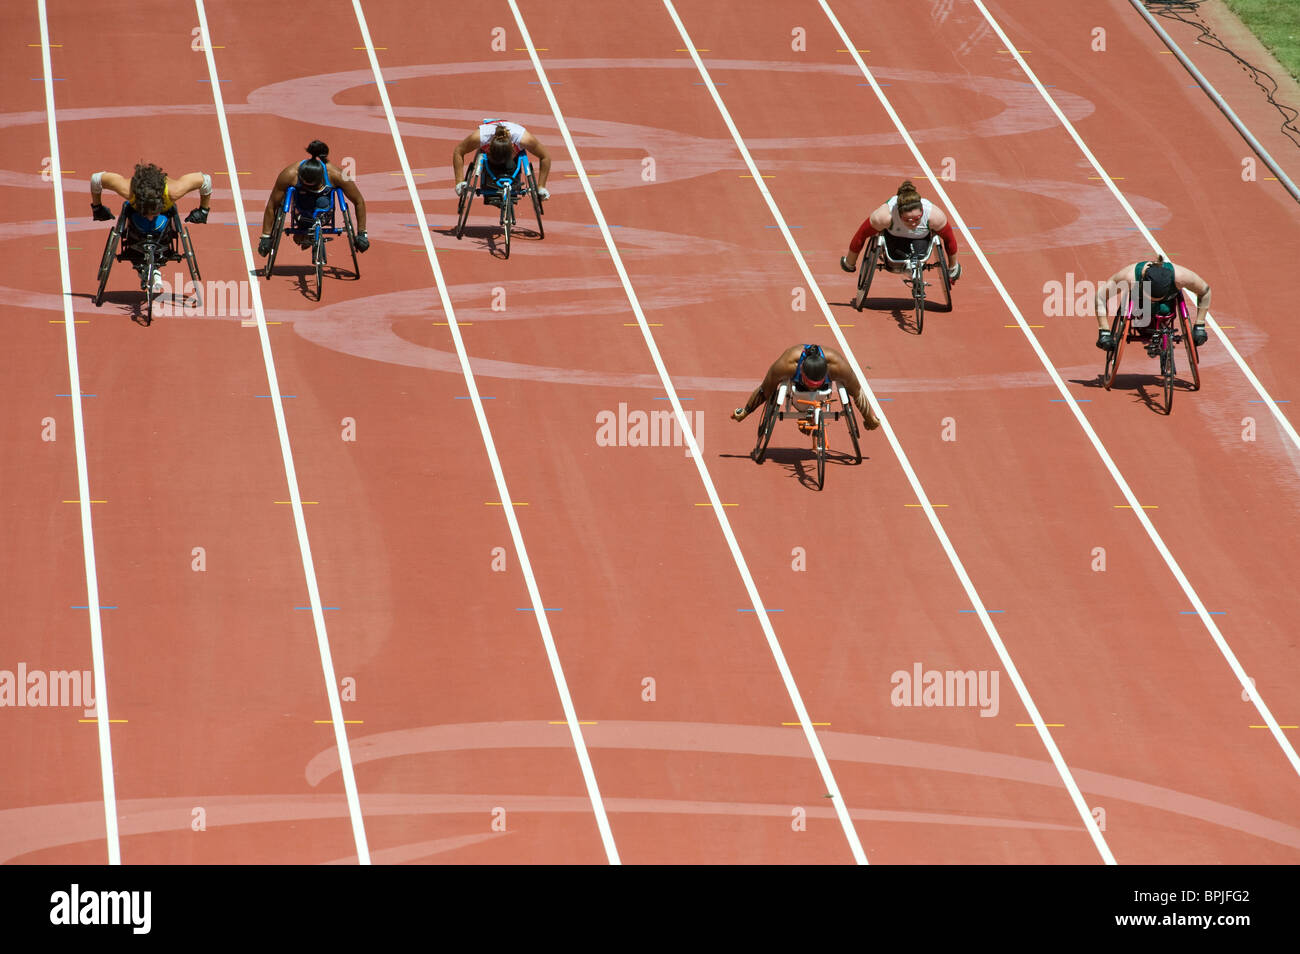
(785, 403)
(878, 257)
(321, 228)
(478, 174)
(156, 251)
(1167, 335)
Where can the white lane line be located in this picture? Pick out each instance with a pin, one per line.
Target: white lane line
(290, 473)
(814, 743)
(1079, 416)
(1085, 813)
(83, 472)
(1141, 226)
(539, 608)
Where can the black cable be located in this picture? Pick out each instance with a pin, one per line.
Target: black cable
(1174, 9)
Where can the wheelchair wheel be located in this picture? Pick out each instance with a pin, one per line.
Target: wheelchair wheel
(943, 271)
(918, 296)
(765, 426)
(187, 247)
(820, 439)
(866, 271)
(318, 256)
(1193, 358)
(852, 423)
(150, 266)
(1118, 332)
(1168, 371)
(507, 213)
(352, 241)
(106, 263)
(537, 204)
(466, 198)
(277, 232)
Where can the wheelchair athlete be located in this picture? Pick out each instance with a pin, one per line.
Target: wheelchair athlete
(1154, 289)
(150, 195)
(907, 222)
(313, 181)
(809, 367)
(501, 141)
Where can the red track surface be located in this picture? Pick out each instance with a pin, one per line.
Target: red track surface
(219, 675)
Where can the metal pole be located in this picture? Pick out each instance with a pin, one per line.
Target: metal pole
(1218, 100)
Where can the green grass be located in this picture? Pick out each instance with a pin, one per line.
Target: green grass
(1277, 24)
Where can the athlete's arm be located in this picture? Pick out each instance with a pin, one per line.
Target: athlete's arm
(838, 369)
(287, 177)
(780, 371)
(533, 145)
(463, 149)
(178, 188)
(940, 225)
(112, 181)
(1113, 291)
(351, 191)
(1188, 280)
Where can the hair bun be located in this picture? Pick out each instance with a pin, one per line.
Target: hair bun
(317, 149)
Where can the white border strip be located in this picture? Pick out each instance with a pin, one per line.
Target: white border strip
(1141, 226)
(1069, 400)
(810, 734)
(83, 472)
(291, 474)
(1085, 813)
(552, 654)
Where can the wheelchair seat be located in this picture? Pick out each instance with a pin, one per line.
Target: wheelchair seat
(894, 264)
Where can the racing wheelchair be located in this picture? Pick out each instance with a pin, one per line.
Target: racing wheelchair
(1161, 339)
(149, 247)
(877, 256)
(501, 191)
(811, 409)
(313, 227)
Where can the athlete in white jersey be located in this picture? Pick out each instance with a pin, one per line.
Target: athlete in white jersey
(501, 140)
(907, 223)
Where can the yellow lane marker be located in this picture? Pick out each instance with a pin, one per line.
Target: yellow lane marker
(563, 722)
(304, 503)
(921, 505)
(811, 723)
(1144, 507)
(497, 503)
(1050, 725)
(110, 721)
(725, 505)
(634, 324)
(345, 722)
(86, 321)
(1280, 726)
(78, 501)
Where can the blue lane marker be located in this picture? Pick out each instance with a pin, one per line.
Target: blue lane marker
(974, 228)
(282, 395)
(1194, 613)
(788, 226)
(69, 395)
(750, 610)
(481, 397)
(680, 399)
(706, 84)
(878, 84)
(987, 611)
(209, 81)
(53, 79)
(545, 609)
(87, 607)
(1264, 402)
(535, 83)
(1076, 400)
(308, 607)
(884, 399)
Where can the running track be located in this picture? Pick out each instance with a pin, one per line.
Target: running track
(484, 693)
